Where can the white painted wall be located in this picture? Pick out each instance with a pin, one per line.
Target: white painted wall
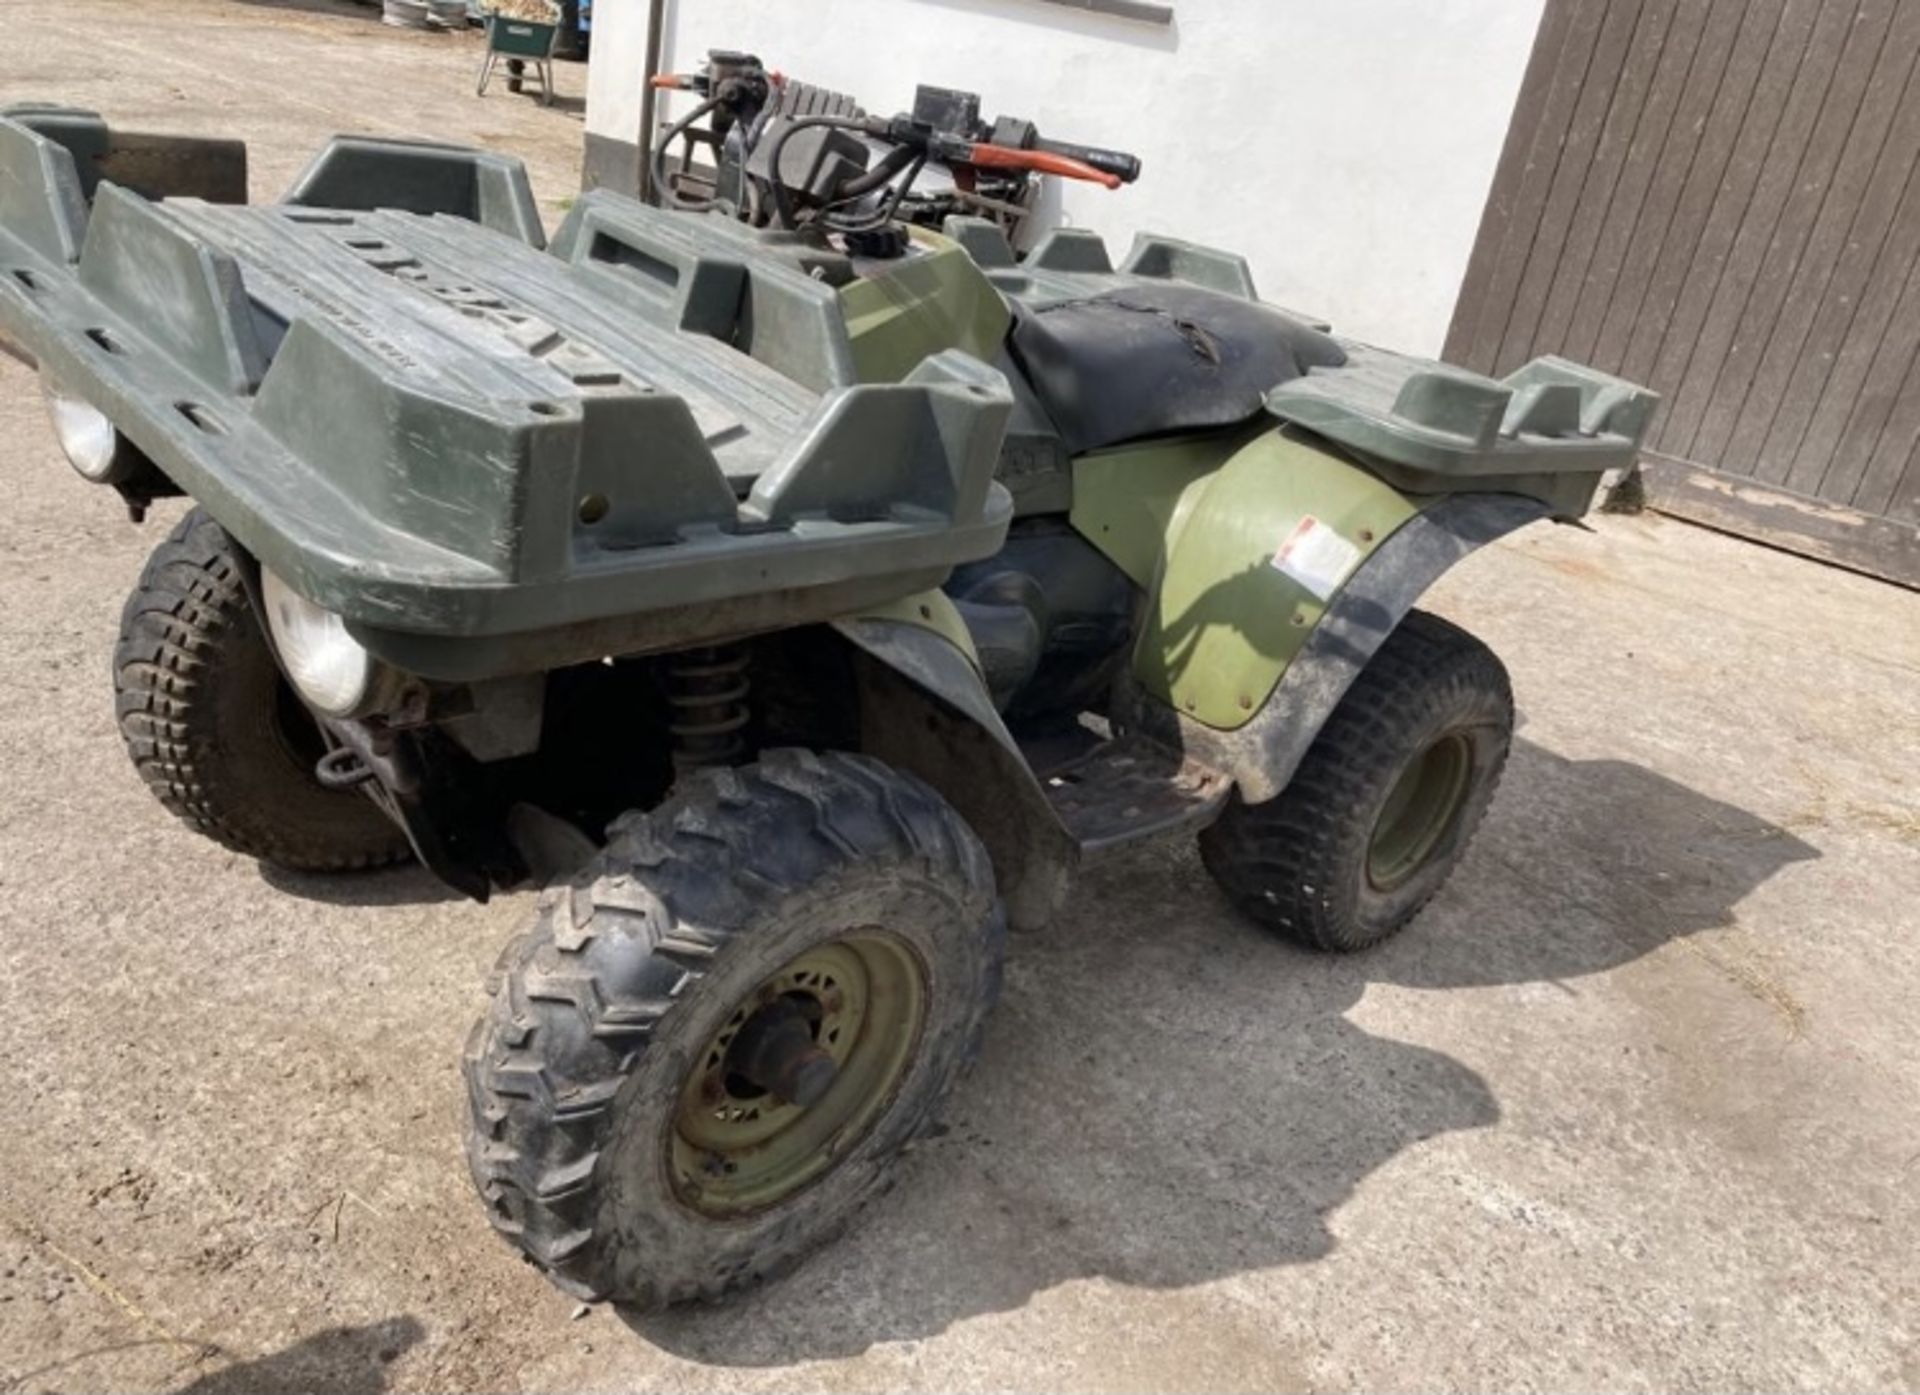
(1344, 146)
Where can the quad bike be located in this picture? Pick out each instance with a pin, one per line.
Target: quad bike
(799, 600)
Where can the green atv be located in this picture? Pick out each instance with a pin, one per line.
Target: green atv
(800, 598)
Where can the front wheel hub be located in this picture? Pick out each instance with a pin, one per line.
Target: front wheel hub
(776, 1052)
(802, 1068)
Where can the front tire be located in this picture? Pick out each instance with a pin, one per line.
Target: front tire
(213, 727)
(1384, 802)
(619, 1137)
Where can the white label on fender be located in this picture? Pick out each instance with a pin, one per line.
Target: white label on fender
(1317, 557)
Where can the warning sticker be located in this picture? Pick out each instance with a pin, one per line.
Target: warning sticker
(1317, 557)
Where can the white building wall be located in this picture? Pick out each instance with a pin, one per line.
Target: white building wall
(1344, 146)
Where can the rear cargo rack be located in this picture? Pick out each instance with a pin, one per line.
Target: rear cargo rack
(1550, 431)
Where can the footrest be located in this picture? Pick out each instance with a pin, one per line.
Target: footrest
(1131, 790)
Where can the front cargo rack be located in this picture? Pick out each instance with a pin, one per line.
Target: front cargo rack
(486, 455)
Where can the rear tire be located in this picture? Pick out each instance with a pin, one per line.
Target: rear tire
(1383, 805)
(609, 1137)
(213, 727)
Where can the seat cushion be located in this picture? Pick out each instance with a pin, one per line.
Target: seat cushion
(1148, 360)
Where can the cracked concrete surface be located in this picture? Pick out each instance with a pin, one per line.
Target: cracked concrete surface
(1632, 1105)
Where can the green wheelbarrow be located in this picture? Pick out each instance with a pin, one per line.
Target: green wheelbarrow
(525, 45)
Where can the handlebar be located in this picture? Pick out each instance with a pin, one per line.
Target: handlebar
(1123, 167)
(1005, 157)
(743, 103)
(1025, 151)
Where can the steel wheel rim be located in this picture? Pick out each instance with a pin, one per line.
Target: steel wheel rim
(1419, 811)
(733, 1149)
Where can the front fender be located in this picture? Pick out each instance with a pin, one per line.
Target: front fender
(925, 709)
(1262, 753)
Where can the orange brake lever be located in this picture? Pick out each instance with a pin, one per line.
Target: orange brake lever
(1006, 157)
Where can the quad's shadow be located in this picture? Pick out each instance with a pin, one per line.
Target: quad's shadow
(408, 884)
(1167, 1097)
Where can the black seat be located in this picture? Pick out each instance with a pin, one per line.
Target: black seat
(1150, 360)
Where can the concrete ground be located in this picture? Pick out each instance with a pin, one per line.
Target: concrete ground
(1632, 1105)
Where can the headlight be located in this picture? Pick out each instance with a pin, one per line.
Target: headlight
(328, 665)
(92, 445)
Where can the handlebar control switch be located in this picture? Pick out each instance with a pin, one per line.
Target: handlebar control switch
(947, 109)
(814, 161)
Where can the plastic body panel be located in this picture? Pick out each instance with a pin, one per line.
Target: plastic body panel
(1262, 754)
(906, 310)
(1548, 431)
(493, 459)
(931, 610)
(1199, 525)
(156, 166)
(925, 709)
(421, 177)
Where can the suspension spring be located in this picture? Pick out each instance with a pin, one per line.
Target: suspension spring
(708, 689)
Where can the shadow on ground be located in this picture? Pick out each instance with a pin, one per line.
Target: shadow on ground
(1168, 1098)
(339, 9)
(562, 103)
(339, 1361)
(407, 885)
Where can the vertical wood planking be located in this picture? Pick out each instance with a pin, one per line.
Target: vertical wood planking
(1792, 185)
(1661, 134)
(1906, 495)
(1667, 277)
(1626, 110)
(1527, 165)
(1880, 438)
(1701, 319)
(1851, 235)
(1598, 83)
(1674, 162)
(1838, 439)
(1889, 486)
(1847, 326)
(1721, 198)
(1794, 193)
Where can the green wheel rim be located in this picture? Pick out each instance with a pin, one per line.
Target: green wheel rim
(735, 1149)
(1419, 811)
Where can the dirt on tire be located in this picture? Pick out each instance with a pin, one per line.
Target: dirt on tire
(575, 1072)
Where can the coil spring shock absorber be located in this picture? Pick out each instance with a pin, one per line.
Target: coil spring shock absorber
(707, 689)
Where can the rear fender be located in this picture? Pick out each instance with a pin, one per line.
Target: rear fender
(1240, 541)
(1262, 753)
(925, 709)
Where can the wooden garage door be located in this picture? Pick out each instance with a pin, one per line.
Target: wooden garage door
(1719, 199)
